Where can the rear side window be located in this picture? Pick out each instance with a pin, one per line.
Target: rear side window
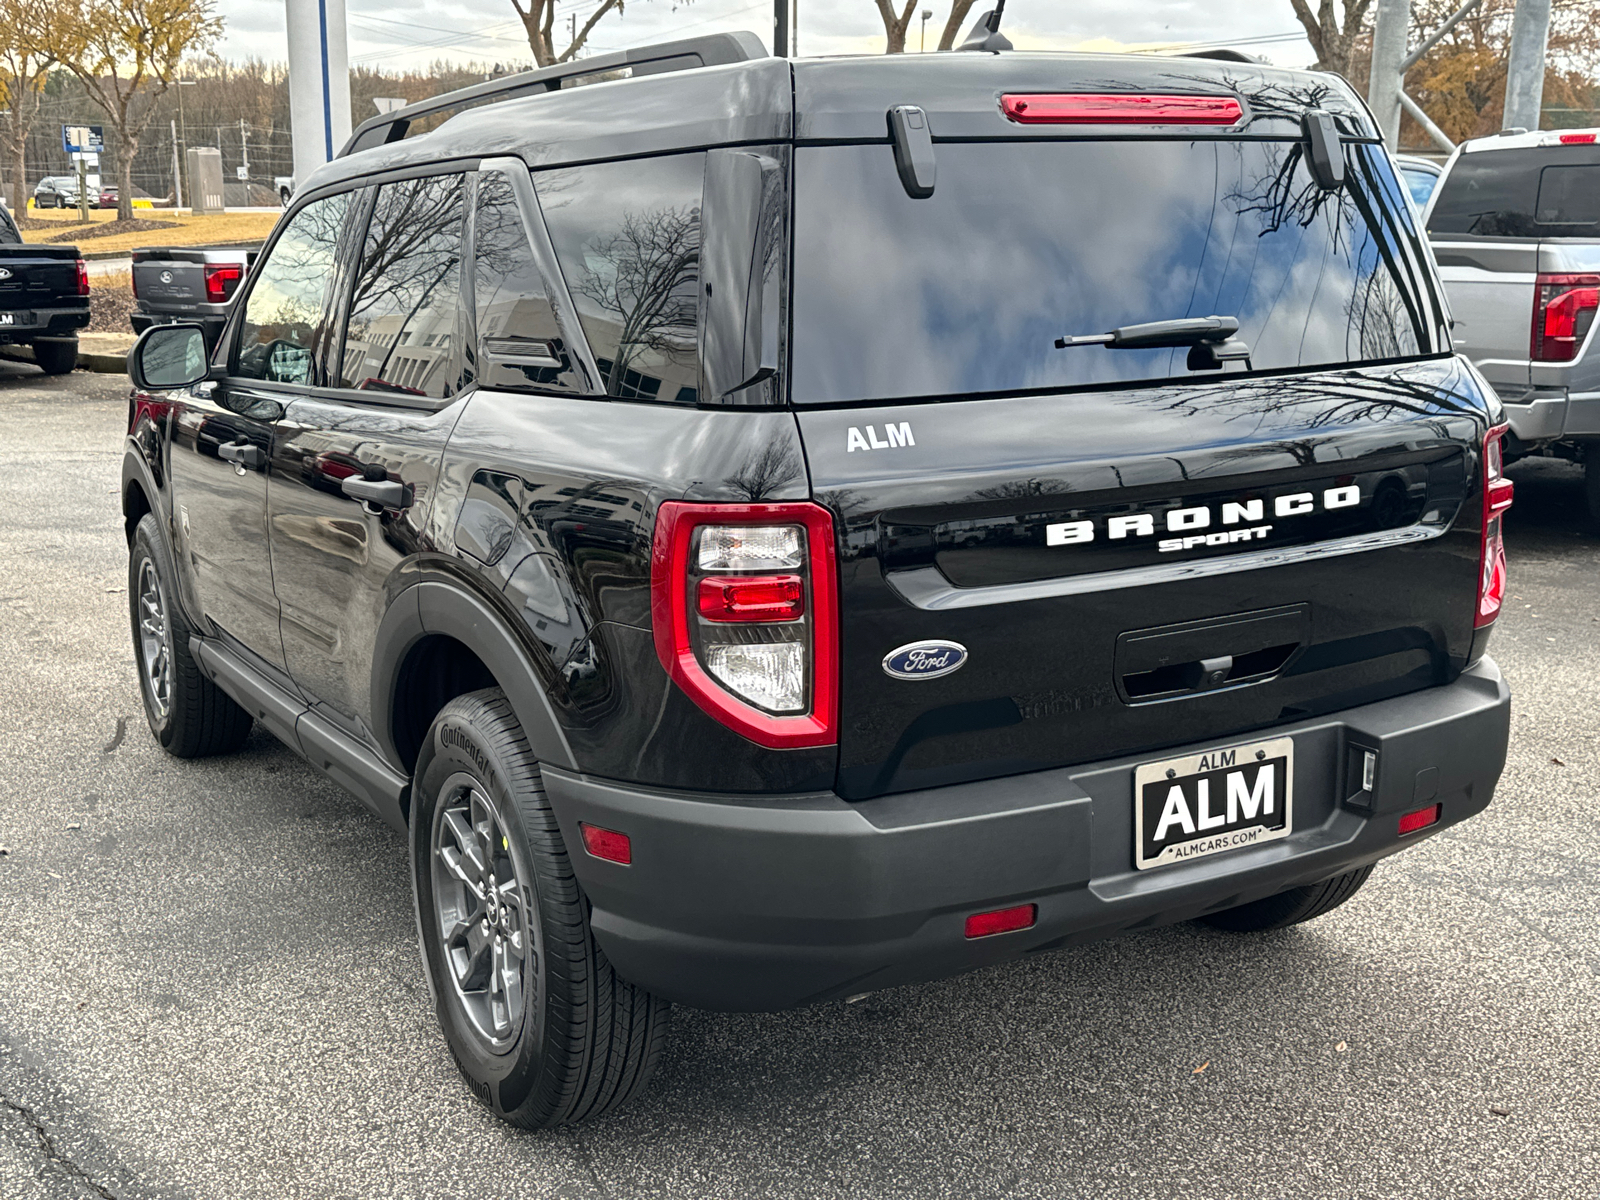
(8, 231)
(1530, 192)
(520, 343)
(627, 235)
(287, 302)
(403, 334)
(1023, 243)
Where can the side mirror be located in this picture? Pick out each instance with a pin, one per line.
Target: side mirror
(168, 356)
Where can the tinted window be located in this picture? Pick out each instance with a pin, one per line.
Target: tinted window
(627, 235)
(519, 341)
(1537, 191)
(403, 332)
(1022, 243)
(288, 298)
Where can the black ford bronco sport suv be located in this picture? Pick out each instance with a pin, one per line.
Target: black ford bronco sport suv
(772, 530)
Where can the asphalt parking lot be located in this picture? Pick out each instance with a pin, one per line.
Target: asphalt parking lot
(210, 987)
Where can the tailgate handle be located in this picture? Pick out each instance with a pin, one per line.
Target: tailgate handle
(1194, 657)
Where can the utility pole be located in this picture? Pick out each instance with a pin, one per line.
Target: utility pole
(1530, 34)
(177, 175)
(780, 28)
(244, 146)
(1389, 35)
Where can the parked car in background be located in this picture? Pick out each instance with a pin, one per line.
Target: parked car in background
(108, 196)
(56, 191)
(285, 187)
(44, 298)
(1420, 175)
(1515, 225)
(187, 285)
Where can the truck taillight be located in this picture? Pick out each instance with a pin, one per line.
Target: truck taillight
(221, 279)
(745, 608)
(83, 278)
(1563, 312)
(1497, 493)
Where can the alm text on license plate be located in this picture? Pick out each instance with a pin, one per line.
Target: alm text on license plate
(1187, 808)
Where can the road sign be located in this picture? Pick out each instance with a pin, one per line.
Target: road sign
(83, 139)
(243, 173)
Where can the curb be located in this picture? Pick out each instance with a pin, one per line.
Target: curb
(101, 364)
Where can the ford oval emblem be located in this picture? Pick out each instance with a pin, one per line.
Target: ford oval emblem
(924, 660)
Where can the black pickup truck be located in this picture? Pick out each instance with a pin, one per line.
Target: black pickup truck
(767, 531)
(44, 298)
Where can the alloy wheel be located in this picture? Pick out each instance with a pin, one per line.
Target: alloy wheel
(484, 912)
(155, 640)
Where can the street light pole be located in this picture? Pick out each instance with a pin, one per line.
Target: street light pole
(183, 130)
(1530, 34)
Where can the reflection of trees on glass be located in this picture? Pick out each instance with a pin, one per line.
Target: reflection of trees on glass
(627, 236)
(401, 334)
(286, 301)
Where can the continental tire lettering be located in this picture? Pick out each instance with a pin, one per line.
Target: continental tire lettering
(450, 736)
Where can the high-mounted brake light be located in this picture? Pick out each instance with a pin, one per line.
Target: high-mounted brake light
(745, 612)
(1497, 495)
(1564, 309)
(1577, 139)
(83, 278)
(221, 279)
(1120, 108)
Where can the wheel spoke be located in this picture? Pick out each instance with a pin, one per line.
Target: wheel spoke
(472, 866)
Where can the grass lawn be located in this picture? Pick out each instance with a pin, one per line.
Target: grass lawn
(183, 230)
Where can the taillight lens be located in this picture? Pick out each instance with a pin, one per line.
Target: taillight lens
(1120, 108)
(745, 611)
(221, 279)
(1497, 494)
(83, 278)
(1563, 312)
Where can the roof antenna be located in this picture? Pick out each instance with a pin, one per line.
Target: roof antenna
(985, 34)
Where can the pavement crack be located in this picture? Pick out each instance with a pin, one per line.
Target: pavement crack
(51, 1151)
(116, 738)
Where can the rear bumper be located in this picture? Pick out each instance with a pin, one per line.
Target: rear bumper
(1548, 416)
(211, 323)
(46, 322)
(762, 903)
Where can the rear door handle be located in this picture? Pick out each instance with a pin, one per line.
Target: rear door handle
(246, 454)
(386, 493)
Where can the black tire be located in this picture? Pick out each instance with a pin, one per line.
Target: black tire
(57, 356)
(1290, 907)
(1591, 481)
(579, 1041)
(196, 717)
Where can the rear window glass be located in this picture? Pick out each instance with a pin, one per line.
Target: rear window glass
(1531, 192)
(8, 232)
(1023, 243)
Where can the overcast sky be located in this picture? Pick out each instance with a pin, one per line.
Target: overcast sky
(488, 30)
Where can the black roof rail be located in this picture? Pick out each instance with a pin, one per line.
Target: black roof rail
(713, 50)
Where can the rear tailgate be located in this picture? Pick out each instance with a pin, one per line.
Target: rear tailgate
(38, 277)
(1090, 649)
(169, 281)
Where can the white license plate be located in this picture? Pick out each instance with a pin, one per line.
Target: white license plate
(1227, 799)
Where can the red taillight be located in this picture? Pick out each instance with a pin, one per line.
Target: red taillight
(1420, 819)
(1563, 312)
(752, 598)
(221, 279)
(607, 844)
(1577, 139)
(745, 614)
(83, 278)
(1121, 108)
(1497, 495)
(1002, 920)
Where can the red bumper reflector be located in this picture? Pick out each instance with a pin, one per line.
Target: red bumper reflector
(1002, 920)
(607, 844)
(1121, 108)
(1420, 819)
(752, 598)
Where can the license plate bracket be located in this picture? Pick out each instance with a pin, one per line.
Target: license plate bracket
(1203, 804)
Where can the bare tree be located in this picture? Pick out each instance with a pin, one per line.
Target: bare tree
(952, 26)
(1332, 38)
(127, 55)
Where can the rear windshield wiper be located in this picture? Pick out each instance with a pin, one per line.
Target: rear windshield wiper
(1210, 340)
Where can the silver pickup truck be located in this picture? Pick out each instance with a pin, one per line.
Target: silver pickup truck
(1515, 224)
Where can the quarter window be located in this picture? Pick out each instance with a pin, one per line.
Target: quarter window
(288, 300)
(627, 235)
(403, 332)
